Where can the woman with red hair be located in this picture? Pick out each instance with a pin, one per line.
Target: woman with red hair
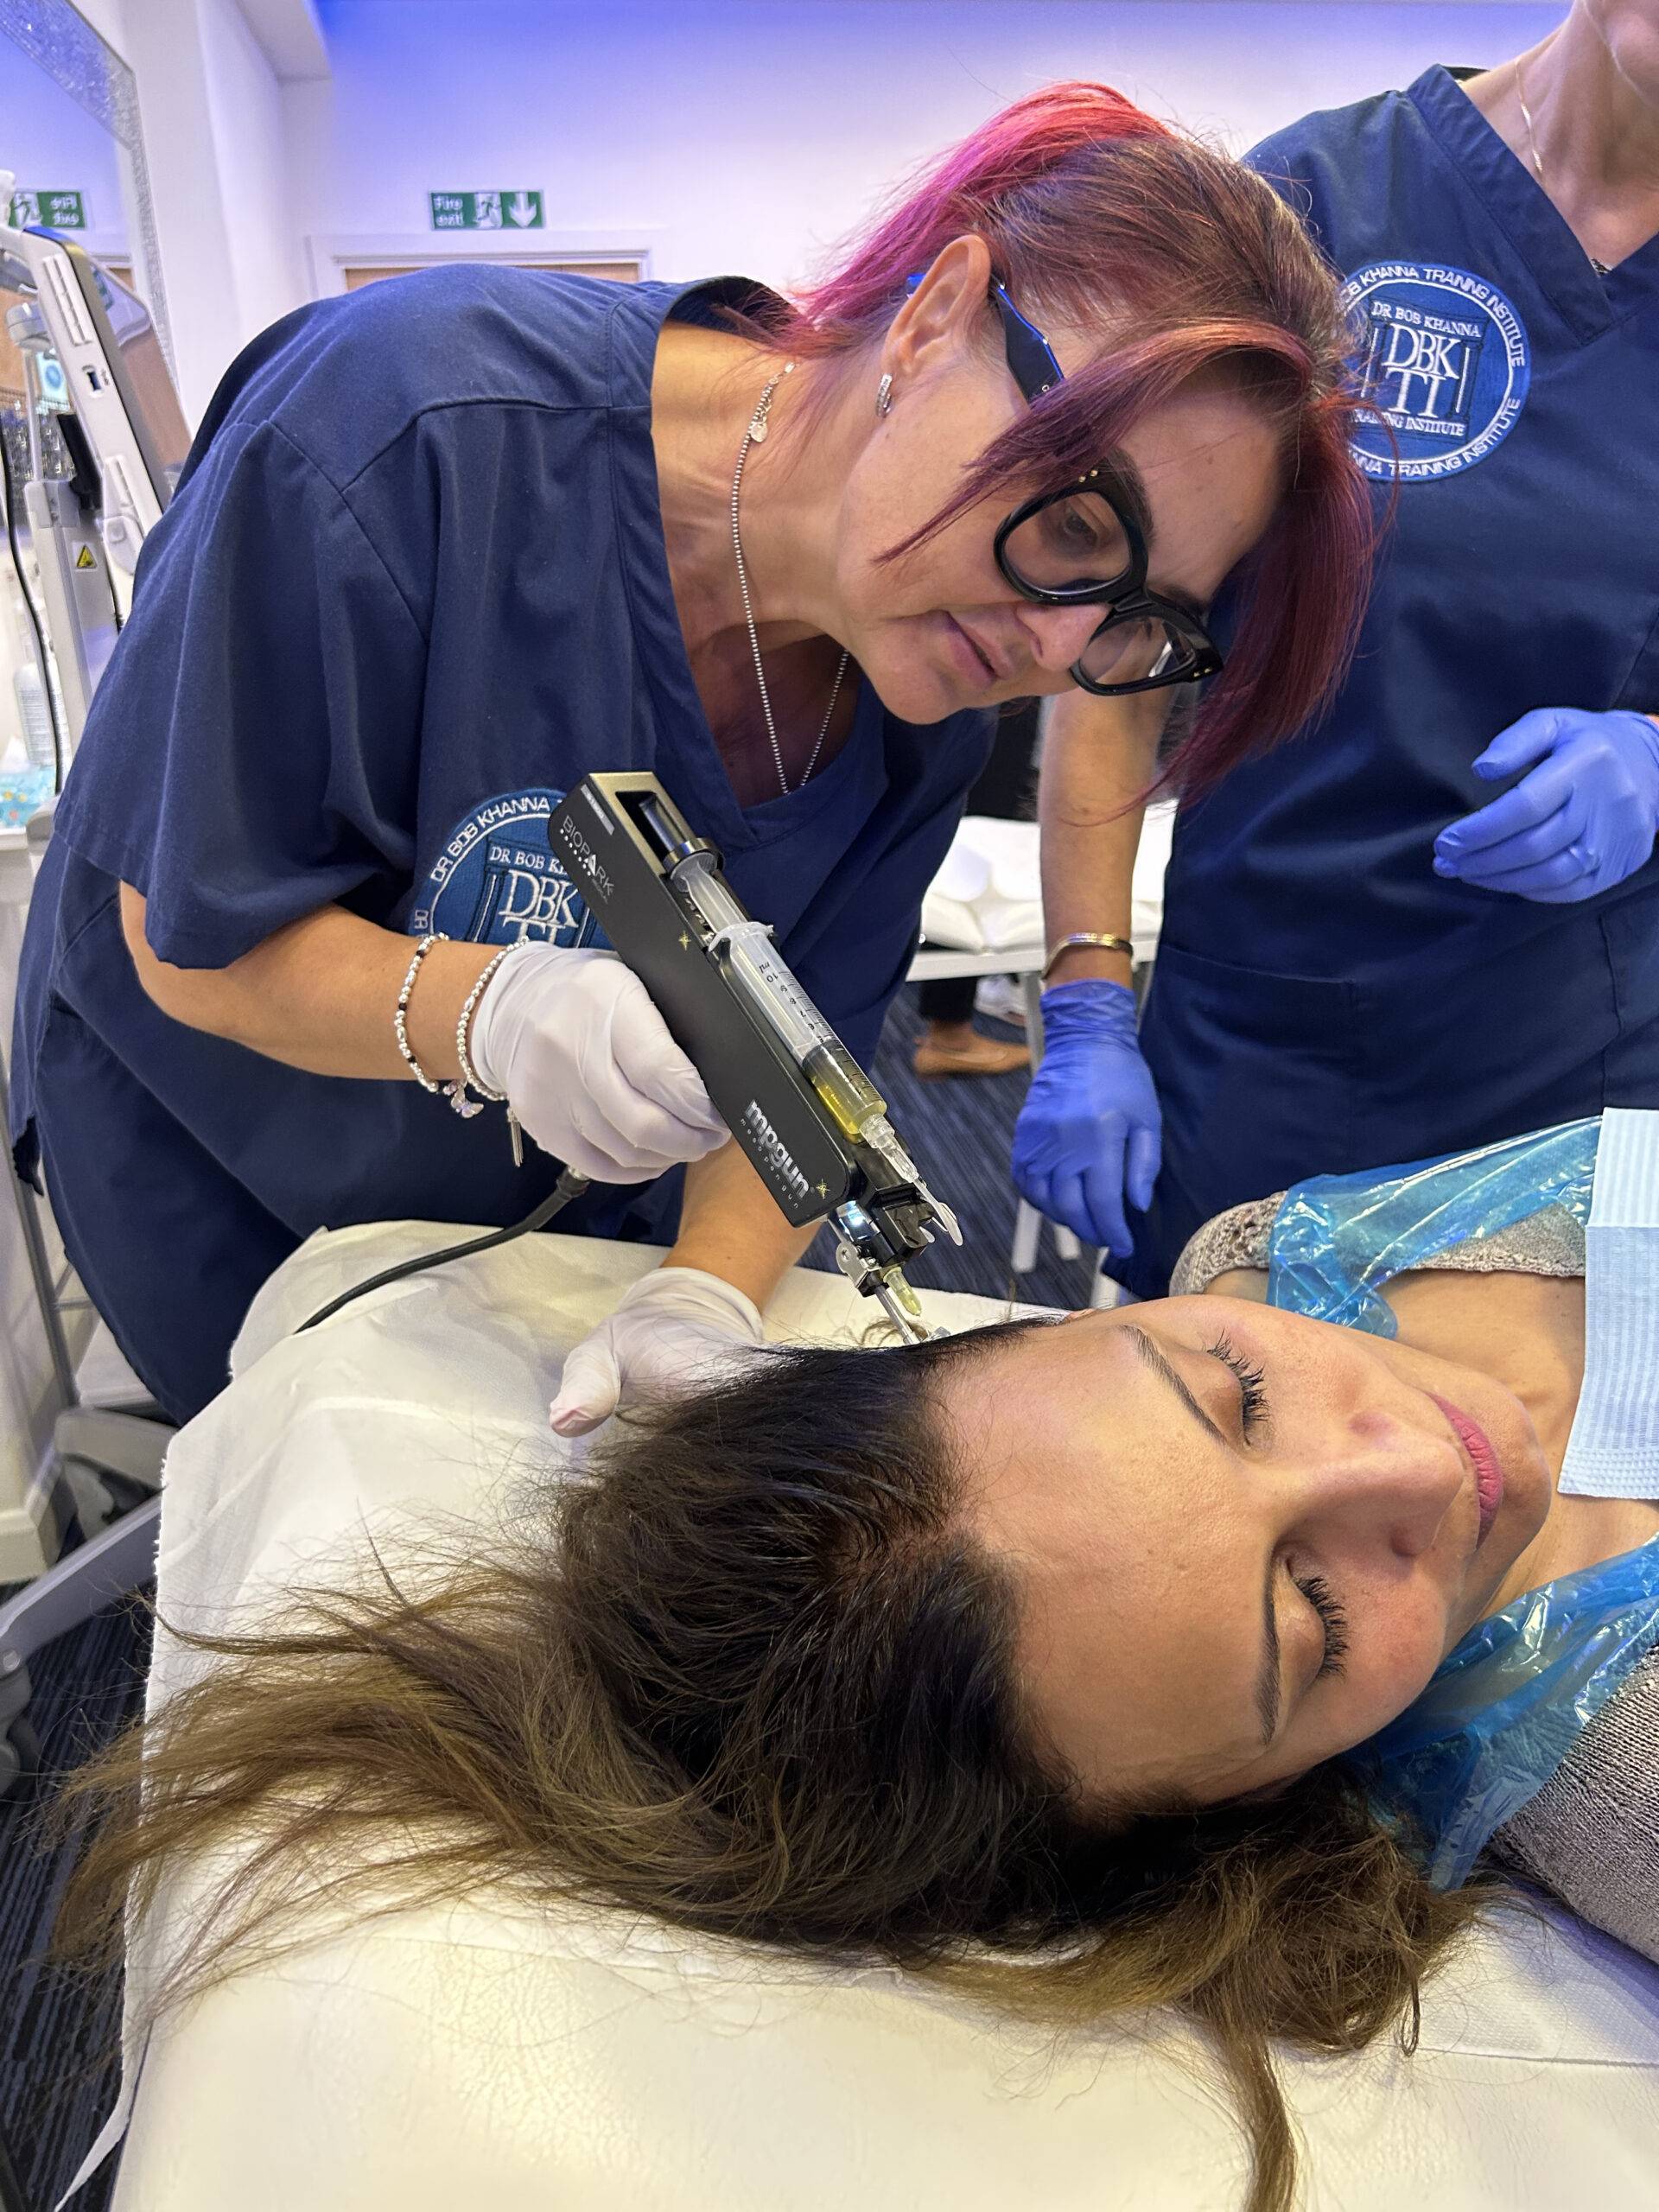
(446, 546)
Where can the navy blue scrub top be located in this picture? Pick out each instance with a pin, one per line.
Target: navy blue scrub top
(412, 587)
(1322, 1000)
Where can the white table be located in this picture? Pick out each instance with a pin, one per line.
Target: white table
(941, 963)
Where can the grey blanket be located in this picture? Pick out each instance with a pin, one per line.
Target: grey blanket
(1591, 1833)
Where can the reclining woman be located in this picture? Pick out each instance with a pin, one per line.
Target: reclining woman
(954, 1656)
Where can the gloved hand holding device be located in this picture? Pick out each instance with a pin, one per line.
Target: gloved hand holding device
(675, 1330)
(1581, 821)
(587, 1064)
(1090, 1131)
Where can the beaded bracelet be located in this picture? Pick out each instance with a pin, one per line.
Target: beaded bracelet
(400, 1019)
(463, 1033)
(455, 1092)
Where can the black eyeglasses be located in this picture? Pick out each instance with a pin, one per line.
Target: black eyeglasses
(1085, 546)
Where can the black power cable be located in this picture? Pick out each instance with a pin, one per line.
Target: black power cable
(569, 1185)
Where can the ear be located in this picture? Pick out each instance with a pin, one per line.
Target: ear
(943, 315)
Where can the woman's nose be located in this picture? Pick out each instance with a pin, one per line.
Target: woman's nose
(1059, 634)
(1397, 1479)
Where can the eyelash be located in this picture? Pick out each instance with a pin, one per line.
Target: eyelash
(1253, 1398)
(1253, 1402)
(1317, 1591)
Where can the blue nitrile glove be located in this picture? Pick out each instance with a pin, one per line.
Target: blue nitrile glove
(1090, 1130)
(1581, 823)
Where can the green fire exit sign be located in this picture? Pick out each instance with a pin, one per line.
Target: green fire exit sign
(57, 211)
(486, 210)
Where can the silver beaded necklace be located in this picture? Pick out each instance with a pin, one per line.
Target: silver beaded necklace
(755, 436)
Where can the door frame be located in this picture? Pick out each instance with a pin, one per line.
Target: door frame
(330, 254)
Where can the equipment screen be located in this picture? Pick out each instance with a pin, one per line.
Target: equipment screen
(146, 372)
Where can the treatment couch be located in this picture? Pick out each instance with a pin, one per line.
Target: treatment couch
(477, 2057)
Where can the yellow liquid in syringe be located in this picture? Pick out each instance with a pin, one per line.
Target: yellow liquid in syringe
(843, 1087)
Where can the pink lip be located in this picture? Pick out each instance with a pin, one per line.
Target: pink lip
(1489, 1475)
(991, 669)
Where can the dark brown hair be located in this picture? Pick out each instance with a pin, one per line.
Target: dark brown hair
(751, 1675)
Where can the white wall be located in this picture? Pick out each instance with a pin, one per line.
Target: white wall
(213, 139)
(105, 18)
(245, 106)
(747, 134)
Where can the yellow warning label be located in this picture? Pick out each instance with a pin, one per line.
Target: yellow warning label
(84, 558)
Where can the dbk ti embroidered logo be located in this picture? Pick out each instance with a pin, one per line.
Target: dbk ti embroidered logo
(1444, 356)
(498, 881)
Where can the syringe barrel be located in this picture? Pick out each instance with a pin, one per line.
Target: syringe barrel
(746, 947)
(760, 969)
(757, 967)
(703, 891)
(843, 1087)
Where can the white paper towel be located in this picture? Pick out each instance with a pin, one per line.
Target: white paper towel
(1613, 1451)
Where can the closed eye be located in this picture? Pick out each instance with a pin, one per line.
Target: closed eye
(1253, 1419)
(1252, 1389)
(1317, 1591)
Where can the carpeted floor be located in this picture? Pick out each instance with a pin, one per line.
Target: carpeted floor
(58, 2032)
(57, 2035)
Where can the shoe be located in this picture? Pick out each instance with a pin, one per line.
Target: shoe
(978, 1056)
(1002, 998)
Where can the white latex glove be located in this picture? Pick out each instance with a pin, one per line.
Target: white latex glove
(588, 1067)
(674, 1330)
